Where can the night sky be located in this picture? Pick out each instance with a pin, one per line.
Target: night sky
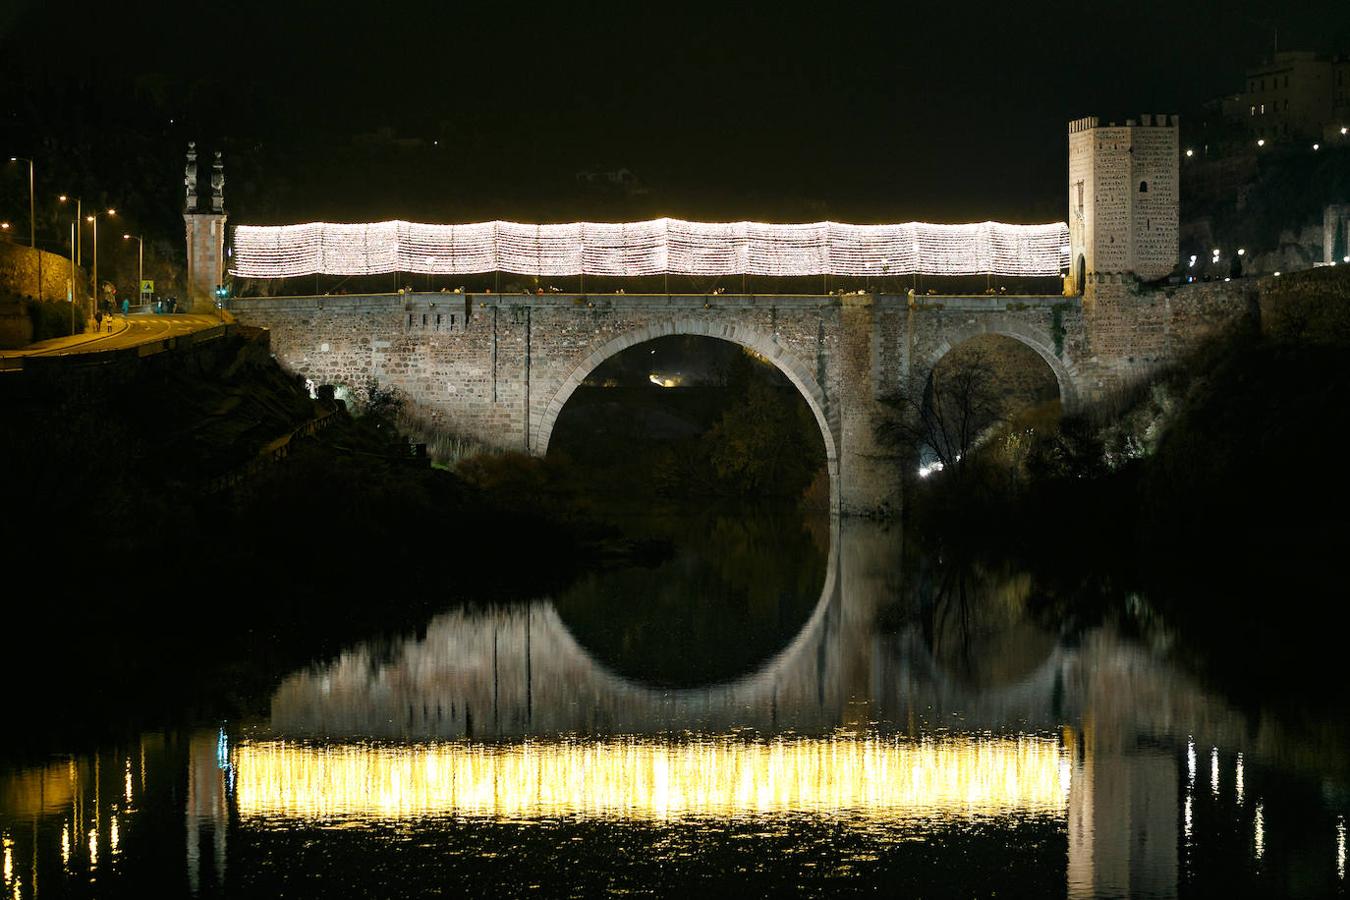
(943, 112)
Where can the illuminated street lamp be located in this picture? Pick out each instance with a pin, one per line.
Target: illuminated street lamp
(79, 216)
(93, 219)
(1242, 251)
(140, 259)
(1190, 153)
(1261, 142)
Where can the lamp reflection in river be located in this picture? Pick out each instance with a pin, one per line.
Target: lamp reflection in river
(874, 778)
(1340, 848)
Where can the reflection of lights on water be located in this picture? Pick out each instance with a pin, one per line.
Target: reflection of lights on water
(872, 777)
(1259, 833)
(1239, 778)
(1214, 771)
(665, 381)
(126, 789)
(93, 847)
(8, 844)
(65, 844)
(1340, 848)
(1190, 762)
(112, 834)
(1187, 817)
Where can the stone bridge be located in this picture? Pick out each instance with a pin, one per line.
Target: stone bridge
(501, 367)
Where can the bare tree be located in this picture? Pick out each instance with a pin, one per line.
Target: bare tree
(946, 414)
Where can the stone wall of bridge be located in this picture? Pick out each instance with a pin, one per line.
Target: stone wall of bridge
(500, 367)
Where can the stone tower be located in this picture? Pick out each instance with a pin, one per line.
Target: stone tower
(205, 235)
(1123, 199)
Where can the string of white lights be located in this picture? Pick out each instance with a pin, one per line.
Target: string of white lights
(659, 246)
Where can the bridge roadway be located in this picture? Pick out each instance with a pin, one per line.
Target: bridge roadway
(499, 368)
(126, 332)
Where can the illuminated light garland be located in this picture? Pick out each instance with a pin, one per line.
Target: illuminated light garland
(656, 247)
(875, 778)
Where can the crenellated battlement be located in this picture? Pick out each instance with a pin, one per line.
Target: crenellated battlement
(1123, 198)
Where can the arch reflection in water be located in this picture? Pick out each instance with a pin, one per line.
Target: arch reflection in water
(869, 777)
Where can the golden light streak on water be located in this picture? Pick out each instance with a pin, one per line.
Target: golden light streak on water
(1259, 835)
(65, 844)
(1239, 779)
(1340, 848)
(874, 778)
(126, 790)
(93, 847)
(8, 844)
(113, 834)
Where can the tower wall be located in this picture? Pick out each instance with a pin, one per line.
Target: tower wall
(205, 258)
(1123, 198)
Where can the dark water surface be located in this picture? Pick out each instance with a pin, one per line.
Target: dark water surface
(778, 709)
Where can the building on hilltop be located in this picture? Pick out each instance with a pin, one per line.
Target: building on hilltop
(1296, 95)
(1123, 199)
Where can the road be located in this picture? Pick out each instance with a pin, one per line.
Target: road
(127, 331)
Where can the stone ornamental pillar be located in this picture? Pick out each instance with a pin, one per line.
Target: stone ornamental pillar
(205, 236)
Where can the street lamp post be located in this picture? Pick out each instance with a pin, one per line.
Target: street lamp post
(140, 261)
(32, 221)
(94, 220)
(77, 249)
(71, 298)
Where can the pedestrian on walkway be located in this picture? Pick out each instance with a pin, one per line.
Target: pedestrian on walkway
(98, 320)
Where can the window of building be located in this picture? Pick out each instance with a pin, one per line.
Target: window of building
(1253, 110)
(1143, 187)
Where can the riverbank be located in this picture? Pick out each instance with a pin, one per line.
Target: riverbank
(210, 519)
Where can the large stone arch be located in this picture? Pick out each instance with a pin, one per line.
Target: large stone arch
(1036, 338)
(542, 422)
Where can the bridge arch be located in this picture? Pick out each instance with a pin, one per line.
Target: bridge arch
(1066, 373)
(542, 424)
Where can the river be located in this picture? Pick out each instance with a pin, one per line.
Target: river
(781, 707)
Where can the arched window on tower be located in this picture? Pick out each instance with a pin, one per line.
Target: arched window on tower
(1143, 187)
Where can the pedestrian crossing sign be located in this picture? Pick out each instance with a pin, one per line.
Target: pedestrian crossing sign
(147, 286)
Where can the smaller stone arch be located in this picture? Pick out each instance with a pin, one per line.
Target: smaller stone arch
(543, 421)
(1066, 374)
